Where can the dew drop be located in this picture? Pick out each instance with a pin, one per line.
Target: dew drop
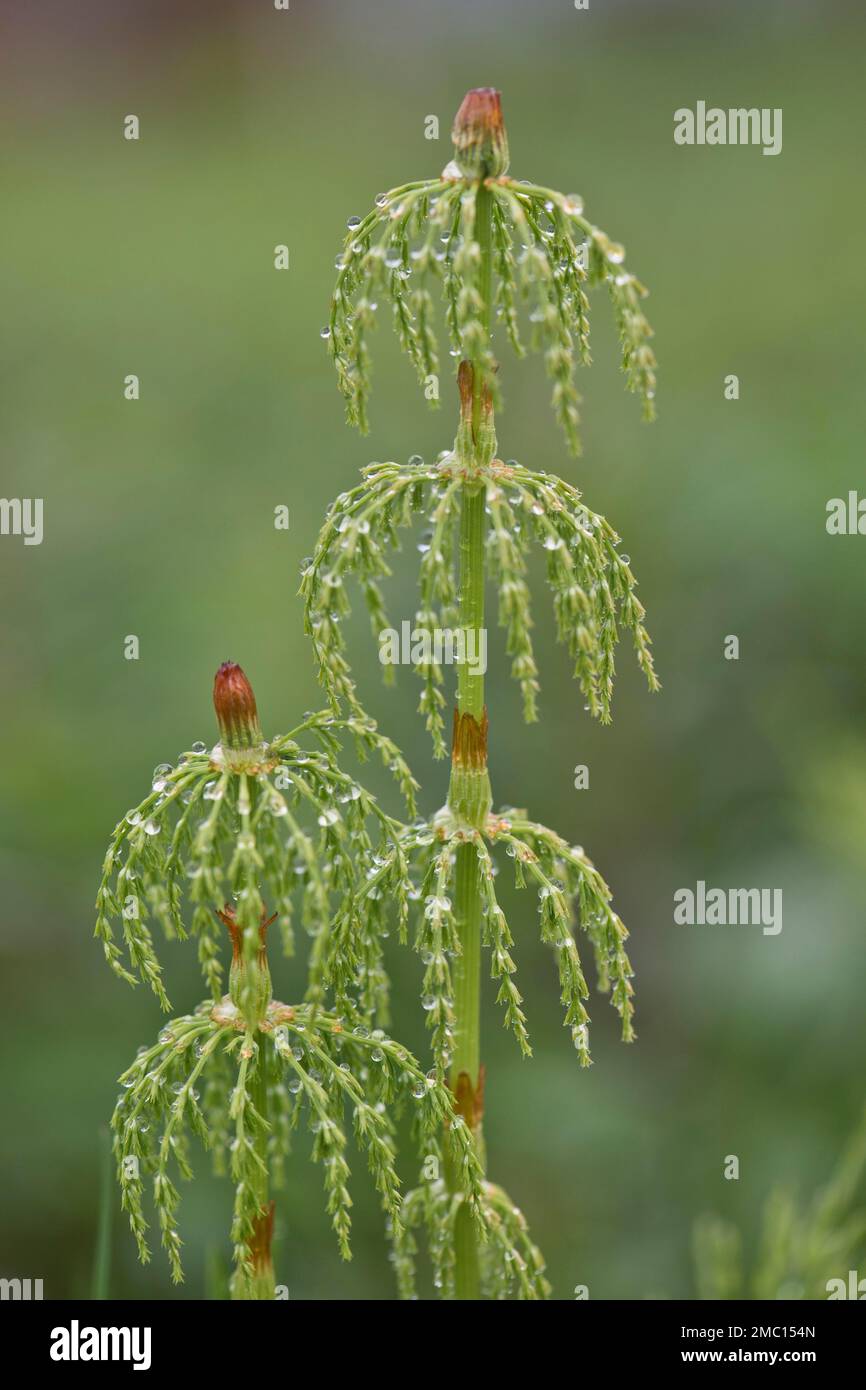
(434, 905)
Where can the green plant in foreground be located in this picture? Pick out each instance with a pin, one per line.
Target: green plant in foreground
(243, 1070)
(804, 1251)
(491, 243)
(254, 831)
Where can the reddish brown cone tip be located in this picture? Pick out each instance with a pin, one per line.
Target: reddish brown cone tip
(235, 706)
(480, 112)
(480, 141)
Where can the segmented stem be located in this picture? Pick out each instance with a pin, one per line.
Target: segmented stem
(261, 1284)
(466, 1057)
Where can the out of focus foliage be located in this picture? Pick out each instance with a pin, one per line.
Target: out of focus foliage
(156, 258)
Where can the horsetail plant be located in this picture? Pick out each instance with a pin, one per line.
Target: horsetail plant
(494, 246)
(243, 1070)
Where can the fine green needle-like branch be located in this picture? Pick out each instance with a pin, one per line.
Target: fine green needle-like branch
(590, 578)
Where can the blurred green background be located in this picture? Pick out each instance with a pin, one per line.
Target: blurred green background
(156, 257)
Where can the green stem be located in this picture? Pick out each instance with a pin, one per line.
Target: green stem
(466, 1058)
(467, 1282)
(261, 1285)
(484, 234)
(467, 994)
(467, 1049)
(470, 688)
